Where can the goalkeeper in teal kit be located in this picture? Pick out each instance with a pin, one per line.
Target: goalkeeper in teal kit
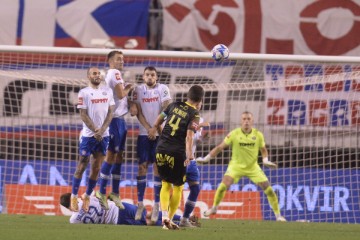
(245, 142)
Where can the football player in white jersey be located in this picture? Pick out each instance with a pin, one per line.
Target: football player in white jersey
(96, 105)
(118, 130)
(126, 216)
(151, 98)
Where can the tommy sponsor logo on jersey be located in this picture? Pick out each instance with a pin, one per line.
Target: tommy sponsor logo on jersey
(80, 101)
(247, 144)
(99, 100)
(153, 99)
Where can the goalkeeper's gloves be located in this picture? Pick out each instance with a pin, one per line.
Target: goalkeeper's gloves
(203, 159)
(268, 163)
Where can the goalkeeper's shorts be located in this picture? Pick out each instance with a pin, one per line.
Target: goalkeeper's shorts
(255, 174)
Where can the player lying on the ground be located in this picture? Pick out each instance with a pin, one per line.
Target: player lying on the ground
(97, 215)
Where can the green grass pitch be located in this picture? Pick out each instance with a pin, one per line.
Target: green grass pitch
(30, 227)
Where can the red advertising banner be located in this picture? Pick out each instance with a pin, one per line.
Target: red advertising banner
(314, 27)
(44, 200)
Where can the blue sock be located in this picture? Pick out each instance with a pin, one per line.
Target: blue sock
(141, 185)
(157, 188)
(115, 177)
(90, 187)
(104, 176)
(75, 185)
(191, 201)
(176, 219)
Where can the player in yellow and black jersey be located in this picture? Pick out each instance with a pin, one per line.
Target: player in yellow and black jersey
(174, 149)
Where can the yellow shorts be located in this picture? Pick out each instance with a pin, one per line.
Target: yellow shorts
(255, 174)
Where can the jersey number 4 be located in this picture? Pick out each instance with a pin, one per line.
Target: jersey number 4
(174, 124)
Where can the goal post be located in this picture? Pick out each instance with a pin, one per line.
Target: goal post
(308, 108)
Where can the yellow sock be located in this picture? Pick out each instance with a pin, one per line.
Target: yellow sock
(165, 195)
(273, 200)
(220, 193)
(175, 200)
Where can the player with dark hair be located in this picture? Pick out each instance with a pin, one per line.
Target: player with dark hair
(111, 167)
(151, 98)
(174, 150)
(245, 142)
(96, 104)
(193, 176)
(97, 215)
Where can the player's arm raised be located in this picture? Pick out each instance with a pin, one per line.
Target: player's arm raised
(121, 91)
(215, 151)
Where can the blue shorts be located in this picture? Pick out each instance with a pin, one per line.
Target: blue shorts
(118, 131)
(192, 172)
(89, 145)
(146, 149)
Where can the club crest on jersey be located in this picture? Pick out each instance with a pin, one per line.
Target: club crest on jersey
(117, 76)
(195, 125)
(165, 93)
(80, 101)
(104, 93)
(253, 138)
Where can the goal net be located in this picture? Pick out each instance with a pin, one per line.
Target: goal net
(308, 108)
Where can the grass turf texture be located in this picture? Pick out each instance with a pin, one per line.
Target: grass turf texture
(32, 227)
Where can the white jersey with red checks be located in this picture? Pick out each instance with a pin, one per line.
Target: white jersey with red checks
(96, 102)
(150, 100)
(113, 78)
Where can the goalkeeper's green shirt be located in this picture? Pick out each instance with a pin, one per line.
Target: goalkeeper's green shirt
(245, 147)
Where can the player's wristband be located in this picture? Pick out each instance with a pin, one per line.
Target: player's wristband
(203, 159)
(207, 158)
